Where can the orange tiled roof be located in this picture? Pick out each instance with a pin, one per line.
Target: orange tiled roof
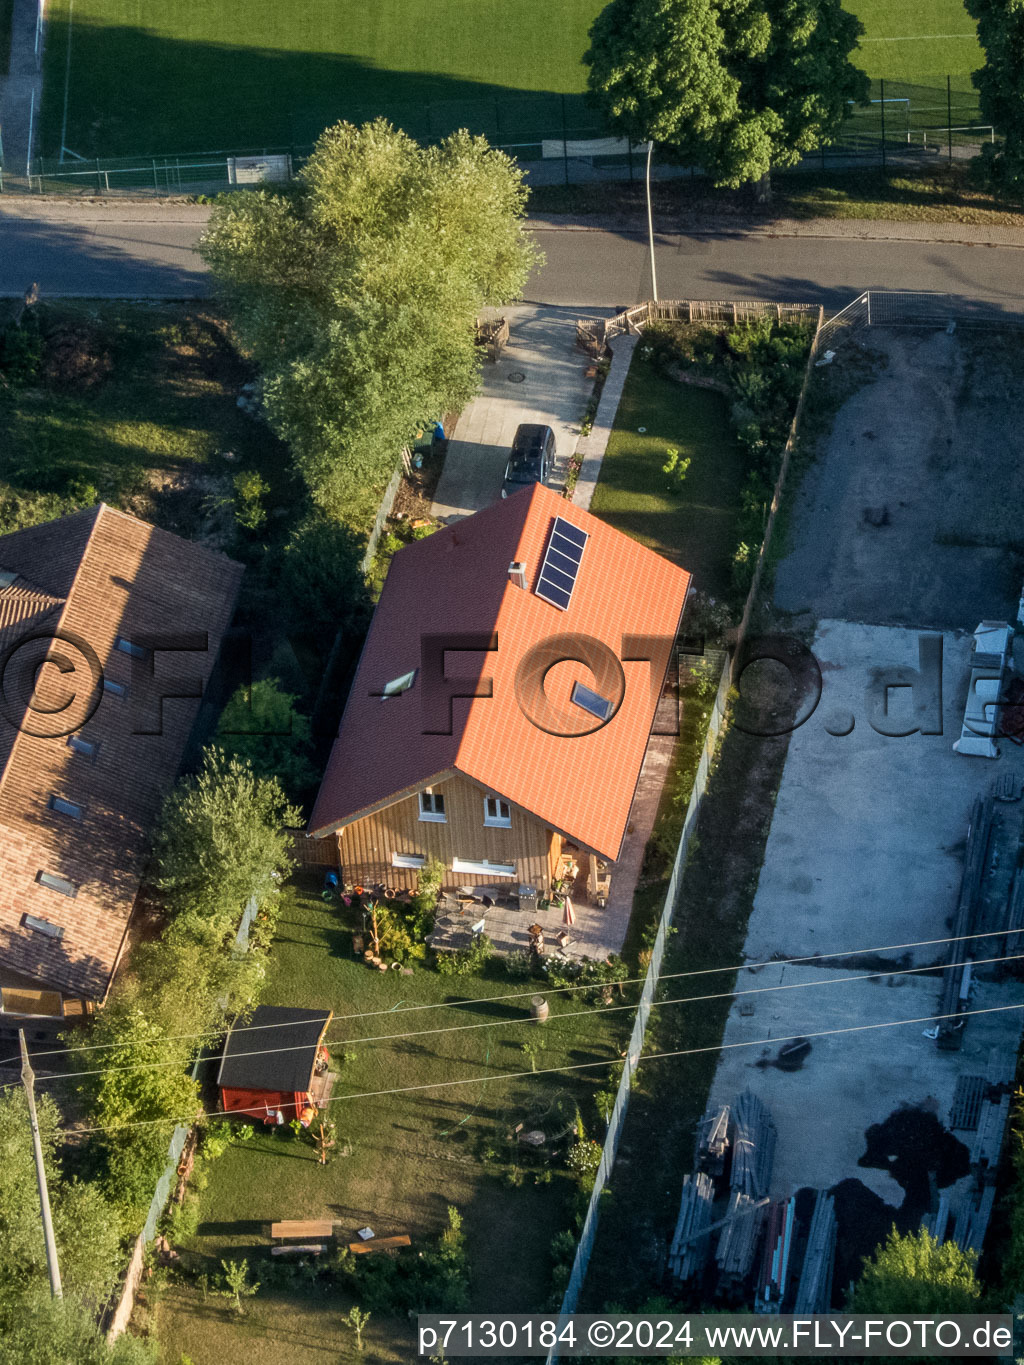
(456, 581)
(89, 579)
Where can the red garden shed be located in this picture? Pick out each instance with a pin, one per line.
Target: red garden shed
(275, 1064)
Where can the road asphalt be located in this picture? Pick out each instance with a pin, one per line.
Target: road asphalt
(146, 249)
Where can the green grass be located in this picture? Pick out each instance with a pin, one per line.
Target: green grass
(696, 525)
(412, 1154)
(942, 41)
(247, 73)
(240, 73)
(137, 402)
(940, 194)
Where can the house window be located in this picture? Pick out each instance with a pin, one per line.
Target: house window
(55, 883)
(63, 807)
(25, 1000)
(497, 812)
(476, 868)
(42, 926)
(408, 859)
(126, 647)
(398, 685)
(115, 689)
(87, 748)
(592, 701)
(432, 806)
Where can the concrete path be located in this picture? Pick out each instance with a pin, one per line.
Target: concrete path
(541, 377)
(21, 89)
(593, 446)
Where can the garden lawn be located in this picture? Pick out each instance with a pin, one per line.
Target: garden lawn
(411, 1154)
(693, 523)
(136, 404)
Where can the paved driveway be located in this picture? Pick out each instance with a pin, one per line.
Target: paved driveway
(541, 377)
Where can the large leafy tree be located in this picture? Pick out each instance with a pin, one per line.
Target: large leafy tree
(759, 84)
(357, 292)
(221, 838)
(1000, 84)
(657, 71)
(915, 1273)
(85, 1231)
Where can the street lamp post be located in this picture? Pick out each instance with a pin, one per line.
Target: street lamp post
(650, 223)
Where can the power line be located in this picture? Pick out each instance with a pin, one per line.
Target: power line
(587, 1066)
(568, 1014)
(540, 989)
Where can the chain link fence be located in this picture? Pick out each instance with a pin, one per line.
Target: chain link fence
(556, 139)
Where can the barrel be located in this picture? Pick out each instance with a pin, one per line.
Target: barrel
(539, 1008)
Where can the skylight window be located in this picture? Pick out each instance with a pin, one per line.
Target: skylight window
(63, 807)
(54, 883)
(115, 689)
(7, 577)
(591, 701)
(398, 685)
(43, 926)
(87, 748)
(124, 646)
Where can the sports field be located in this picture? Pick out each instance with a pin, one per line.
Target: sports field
(124, 77)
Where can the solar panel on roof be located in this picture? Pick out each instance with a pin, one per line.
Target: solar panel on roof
(561, 563)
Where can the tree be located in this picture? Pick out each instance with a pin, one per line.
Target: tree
(915, 1273)
(999, 84)
(236, 1281)
(657, 71)
(357, 289)
(220, 838)
(260, 726)
(737, 86)
(357, 1320)
(49, 1331)
(87, 1235)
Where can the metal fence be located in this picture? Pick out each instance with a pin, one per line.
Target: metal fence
(617, 1116)
(630, 319)
(556, 138)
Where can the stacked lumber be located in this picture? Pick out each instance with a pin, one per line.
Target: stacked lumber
(814, 1290)
(690, 1242)
(773, 1277)
(712, 1140)
(753, 1146)
(741, 1231)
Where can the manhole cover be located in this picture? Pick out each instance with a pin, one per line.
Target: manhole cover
(516, 376)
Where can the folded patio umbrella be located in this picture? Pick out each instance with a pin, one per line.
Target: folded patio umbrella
(569, 917)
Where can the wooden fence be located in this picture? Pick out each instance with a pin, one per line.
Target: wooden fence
(704, 310)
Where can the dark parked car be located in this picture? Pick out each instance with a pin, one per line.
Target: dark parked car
(533, 454)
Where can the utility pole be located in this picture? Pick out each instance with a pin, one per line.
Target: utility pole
(28, 1081)
(650, 223)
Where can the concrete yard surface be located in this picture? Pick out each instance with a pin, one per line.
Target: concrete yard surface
(540, 377)
(850, 1081)
(867, 837)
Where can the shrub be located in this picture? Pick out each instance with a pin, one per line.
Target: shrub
(466, 961)
(517, 964)
(261, 726)
(21, 351)
(250, 487)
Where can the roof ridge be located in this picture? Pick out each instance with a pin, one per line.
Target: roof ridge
(104, 509)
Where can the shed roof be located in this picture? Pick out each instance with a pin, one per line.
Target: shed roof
(276, 1050)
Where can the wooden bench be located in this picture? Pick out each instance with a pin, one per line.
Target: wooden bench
(303, 1227)
(297, 1248)
(379, 1244)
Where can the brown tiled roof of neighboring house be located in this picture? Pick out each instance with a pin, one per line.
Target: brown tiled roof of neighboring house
(457, 581)
(102, 746)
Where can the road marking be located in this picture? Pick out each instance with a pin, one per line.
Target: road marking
(919, 38)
